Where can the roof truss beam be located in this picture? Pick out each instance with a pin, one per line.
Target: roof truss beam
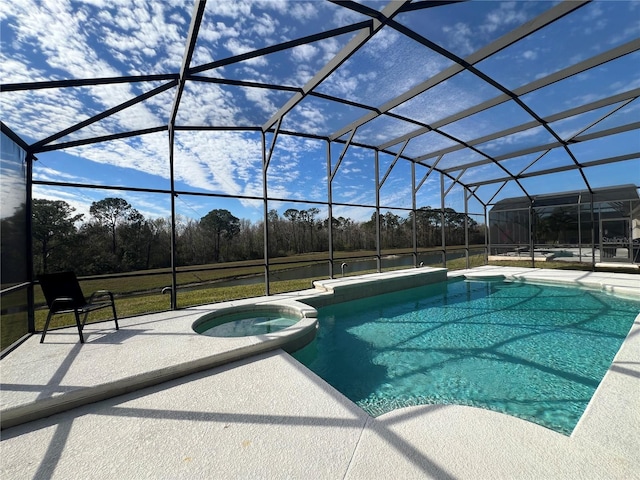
(625, 97)
(85, 82)
(546, 148)
(342, 56)
(565, 168)
(192, 38)
(526, 126)
(36, 147)
(104, 138)
(281, 46)
(528, 28)
(581, 138)
(393, 164)
(508, 93)
(535, 85)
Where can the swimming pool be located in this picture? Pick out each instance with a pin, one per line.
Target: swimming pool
(533, 351)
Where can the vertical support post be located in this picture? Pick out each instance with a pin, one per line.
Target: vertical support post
(265, 211)
(487, 236)
(378, 229)
(593, 236)
(174, 281)
(192, 36)
(331, 174)
(443, 240)
(31, 323)
(630, 234)
(531, 235)
(266, 160)
(414, 210)
(466, 228)
(330, 207)
(579, 229)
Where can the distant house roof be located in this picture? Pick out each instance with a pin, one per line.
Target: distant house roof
(608, 194)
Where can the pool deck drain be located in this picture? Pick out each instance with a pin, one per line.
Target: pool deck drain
(266, 416)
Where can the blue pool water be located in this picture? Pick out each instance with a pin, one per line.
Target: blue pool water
(536, 352)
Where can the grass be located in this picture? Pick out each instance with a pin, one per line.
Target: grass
(140, 295)
(157, 302)
(200, 294)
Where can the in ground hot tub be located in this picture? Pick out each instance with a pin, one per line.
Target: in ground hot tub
(288, 325)
(484, 277)
(242, 324)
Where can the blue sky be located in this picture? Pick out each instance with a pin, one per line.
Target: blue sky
(65, 39)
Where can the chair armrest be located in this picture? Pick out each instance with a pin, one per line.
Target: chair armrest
(62, 302)
(62, 299)
(100, 293)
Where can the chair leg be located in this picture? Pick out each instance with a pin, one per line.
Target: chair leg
(115, 316)
(46, 326)
(84, 318)
(79, 325)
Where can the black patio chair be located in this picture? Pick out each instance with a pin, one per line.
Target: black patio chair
(64, 295)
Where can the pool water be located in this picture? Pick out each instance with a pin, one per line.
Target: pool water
(533, 351)
(242, 324)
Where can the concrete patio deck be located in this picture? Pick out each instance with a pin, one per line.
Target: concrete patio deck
(267, 416)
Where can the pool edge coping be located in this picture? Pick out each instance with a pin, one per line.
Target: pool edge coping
(294, 336)
(31, 410)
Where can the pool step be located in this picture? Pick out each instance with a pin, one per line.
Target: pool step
(361, 286)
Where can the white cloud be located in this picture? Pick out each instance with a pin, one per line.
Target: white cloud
(626, 34)
(620, 87)
(238, 48)
(330, 48)
(46, 112)
(303, 11)
(342, 83)
(505, 15)
(48, 174)
(144, 35)
(304, 53)
(513, 139)
(80, 203)
(211, 33)
(396, 197)
(382, 41)
(13, 190)
(460, 37)
(260, 98)
(63, 42)
(16, 70)
(68, 46)
(307, 118)
(264, 25)
(302, 75)
(218, 161)
(236, 9)
(345, 16)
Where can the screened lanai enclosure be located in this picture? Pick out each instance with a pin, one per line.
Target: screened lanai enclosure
(182, 153)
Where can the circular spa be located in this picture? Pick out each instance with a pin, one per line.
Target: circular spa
(234, 323)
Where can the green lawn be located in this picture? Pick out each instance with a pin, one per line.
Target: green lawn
(137, 295)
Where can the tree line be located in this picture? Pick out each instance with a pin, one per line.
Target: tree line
(118, 238)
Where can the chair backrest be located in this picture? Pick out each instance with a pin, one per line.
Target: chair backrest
(62, 284)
